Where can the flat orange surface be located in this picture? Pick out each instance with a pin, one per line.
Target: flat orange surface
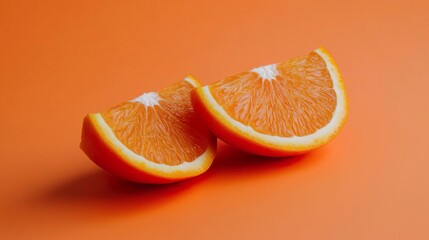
(60, 60)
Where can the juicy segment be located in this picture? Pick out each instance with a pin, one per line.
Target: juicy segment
(162, 127)
(292, 98)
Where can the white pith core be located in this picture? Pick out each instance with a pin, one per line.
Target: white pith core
(268, 72)
(149, 99)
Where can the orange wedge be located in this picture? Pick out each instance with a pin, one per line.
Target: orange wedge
(155, 138)
(280, 109)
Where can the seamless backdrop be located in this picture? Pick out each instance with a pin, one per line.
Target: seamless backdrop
(60, 60)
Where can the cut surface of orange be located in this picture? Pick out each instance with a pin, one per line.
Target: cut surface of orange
(280, 109)
(154, 138)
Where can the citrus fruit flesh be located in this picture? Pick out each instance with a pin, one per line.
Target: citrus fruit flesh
(280, 109)
(154, 138)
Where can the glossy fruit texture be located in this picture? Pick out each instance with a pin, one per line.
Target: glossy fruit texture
(280, 109)
(154, 138)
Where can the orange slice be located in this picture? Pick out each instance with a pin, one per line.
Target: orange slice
(155, 138)
(280, 109)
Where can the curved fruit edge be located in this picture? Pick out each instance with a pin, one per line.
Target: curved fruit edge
(246, 138)
(228, 135)
(343, 106)
(193, 80)
(103, 148)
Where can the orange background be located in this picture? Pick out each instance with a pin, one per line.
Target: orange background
(60, 60)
